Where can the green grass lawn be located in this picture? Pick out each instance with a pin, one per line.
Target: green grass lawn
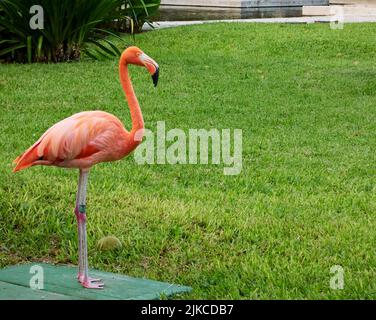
(305, 98)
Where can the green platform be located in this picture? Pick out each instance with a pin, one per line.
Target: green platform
(60, 284)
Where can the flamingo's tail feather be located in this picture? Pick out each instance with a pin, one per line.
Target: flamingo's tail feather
(27, 159)
(16, 160)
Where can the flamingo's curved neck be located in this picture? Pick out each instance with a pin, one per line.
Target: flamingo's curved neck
(134, 107)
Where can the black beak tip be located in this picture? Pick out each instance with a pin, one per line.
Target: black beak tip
(155, 77)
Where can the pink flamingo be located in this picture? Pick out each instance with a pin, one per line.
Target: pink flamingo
(87, 138)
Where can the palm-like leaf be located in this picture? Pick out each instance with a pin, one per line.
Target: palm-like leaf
(70, 27)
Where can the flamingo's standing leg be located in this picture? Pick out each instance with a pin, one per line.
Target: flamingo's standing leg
(83, 269)
(79, 230)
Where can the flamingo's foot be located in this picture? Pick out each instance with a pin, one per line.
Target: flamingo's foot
(81, 278)
(90, 283)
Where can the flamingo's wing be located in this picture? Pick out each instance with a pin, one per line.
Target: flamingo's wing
(78, 136)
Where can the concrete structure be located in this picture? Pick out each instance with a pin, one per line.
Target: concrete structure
(362, 11)
(352, 1)
(346, 11)
(346, 8)
(243, 3)
(175, 10)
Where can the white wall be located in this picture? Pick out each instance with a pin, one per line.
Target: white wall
(243, 3)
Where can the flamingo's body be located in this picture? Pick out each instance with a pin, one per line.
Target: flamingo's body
(80, 141)
(88, 138)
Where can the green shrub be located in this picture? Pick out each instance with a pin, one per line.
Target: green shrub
(70, 28)
(141, 11)
(136, 13)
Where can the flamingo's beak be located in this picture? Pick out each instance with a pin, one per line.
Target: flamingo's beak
(152, 67)
(155, 76)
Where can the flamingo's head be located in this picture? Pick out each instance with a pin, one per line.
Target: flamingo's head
(134, 55)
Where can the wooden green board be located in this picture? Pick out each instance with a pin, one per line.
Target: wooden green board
(60, 283)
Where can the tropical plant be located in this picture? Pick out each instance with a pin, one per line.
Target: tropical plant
(69, 28)
(140, 11)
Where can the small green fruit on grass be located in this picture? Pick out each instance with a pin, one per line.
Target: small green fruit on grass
(108, 243)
